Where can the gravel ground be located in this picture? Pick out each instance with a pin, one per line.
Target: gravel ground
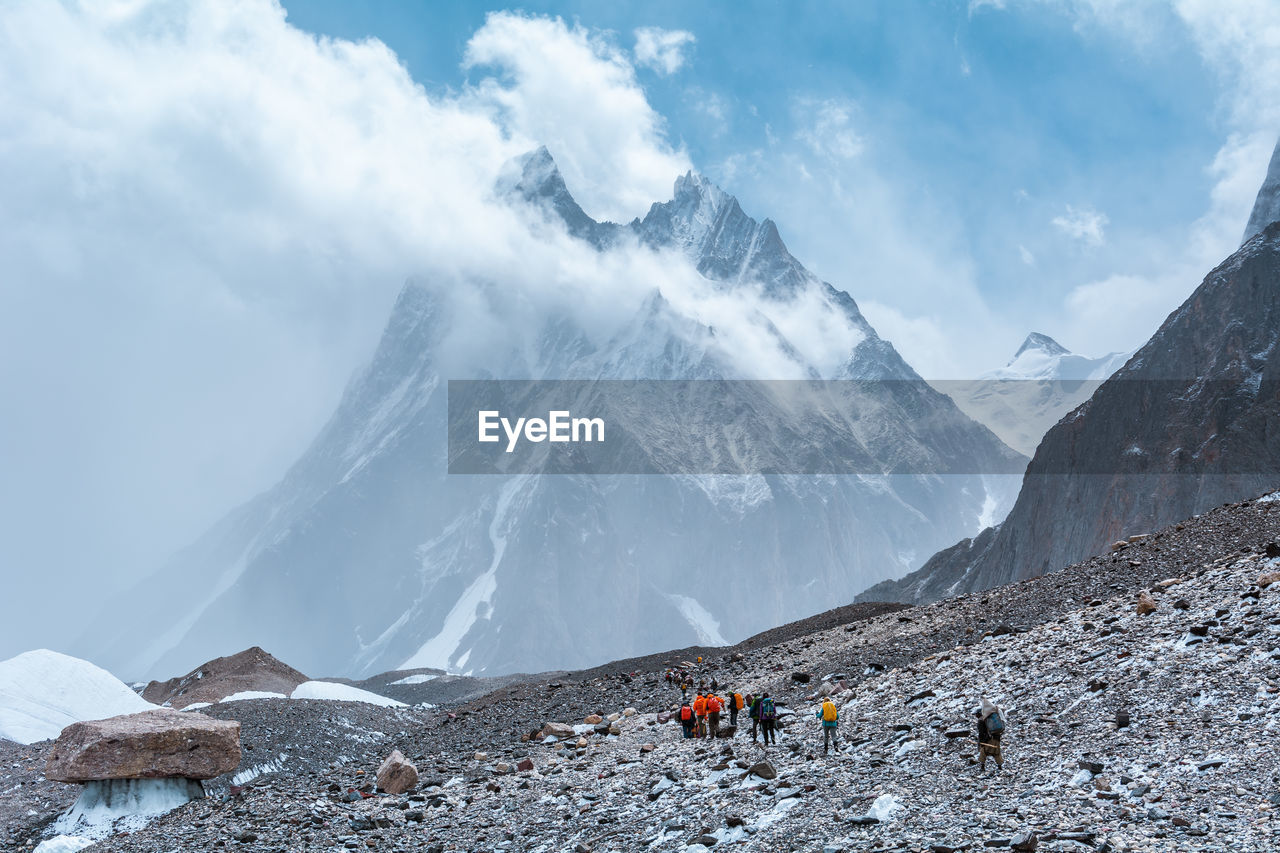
(1194, 768)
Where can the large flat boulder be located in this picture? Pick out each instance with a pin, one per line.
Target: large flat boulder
(157, 744)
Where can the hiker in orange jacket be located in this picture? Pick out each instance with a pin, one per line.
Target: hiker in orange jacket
(714, 707)
(700, 711)
(735, 705)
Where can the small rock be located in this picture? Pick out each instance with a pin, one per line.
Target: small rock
(397, 774)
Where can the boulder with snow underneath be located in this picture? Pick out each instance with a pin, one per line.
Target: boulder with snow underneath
(42, 692)
(156, 744)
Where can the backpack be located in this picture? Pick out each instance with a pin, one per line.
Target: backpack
(686, 713)
(713, 705)
(767, 711)
(995, 724)
(737, 701)
(828, 711)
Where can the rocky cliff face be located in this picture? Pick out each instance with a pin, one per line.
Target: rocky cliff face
(1190, 422)
(369, 557)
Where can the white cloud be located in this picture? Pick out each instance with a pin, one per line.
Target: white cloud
(826, 127)
(1084, 224)
(1124, 309)
(207, 213)
(1027, 257)
(572, 91)
(979, 5)
(662, 50)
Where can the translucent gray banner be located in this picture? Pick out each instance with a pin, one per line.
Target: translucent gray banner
(861, 427)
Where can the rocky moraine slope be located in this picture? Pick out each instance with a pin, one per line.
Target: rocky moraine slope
(1142, 689)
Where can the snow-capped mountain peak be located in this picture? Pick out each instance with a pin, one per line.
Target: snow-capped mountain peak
(369, 554)
(1041, 357)
(1042, 382)
(1040, 343)
(1266, 209)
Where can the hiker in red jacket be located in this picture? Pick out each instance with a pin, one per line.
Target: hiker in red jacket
(700, 711)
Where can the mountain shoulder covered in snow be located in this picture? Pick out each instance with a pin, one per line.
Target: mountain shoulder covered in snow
(42, 692)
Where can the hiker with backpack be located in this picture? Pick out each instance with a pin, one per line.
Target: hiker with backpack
(753, 711)
(686, 720)
(829, 715)
(990, 730)
(735, 705)
(700, 711)
(768, 720)
(714, 707)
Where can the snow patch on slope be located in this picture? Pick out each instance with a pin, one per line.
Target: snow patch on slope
(420, 678)
(341, 693)
(700, 619)
(439, 651)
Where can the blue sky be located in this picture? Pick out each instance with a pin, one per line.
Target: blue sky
(978, 126)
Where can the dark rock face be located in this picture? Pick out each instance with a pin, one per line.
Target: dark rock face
(1188, 424)
(155, 744)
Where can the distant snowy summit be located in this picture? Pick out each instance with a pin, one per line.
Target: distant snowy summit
(1041, 357)
(1042, 382)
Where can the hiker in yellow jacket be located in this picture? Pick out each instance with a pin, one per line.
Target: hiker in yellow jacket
(829, 715)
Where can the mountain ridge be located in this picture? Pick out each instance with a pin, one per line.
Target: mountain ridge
(367, 556)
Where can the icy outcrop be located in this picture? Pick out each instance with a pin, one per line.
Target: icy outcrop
(123, 805)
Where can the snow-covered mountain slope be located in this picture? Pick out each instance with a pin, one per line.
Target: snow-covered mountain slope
(1041, 383)
(43, 692)
(368, 556)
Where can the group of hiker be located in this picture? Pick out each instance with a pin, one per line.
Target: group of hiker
(702, 716)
